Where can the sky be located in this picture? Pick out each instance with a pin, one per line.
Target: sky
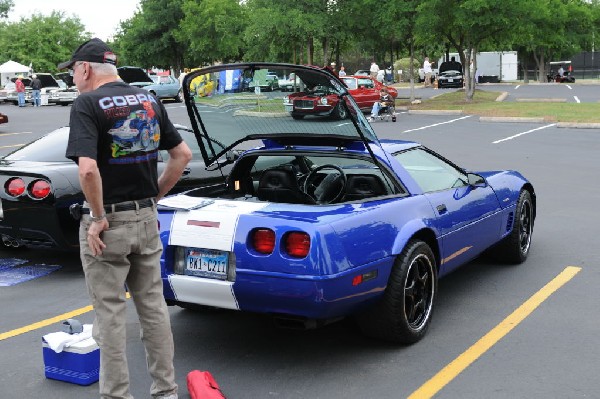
(100, 17)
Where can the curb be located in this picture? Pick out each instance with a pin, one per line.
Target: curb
(261, 114)
(576, 125)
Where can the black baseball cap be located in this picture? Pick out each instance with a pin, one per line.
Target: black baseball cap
(94, 50)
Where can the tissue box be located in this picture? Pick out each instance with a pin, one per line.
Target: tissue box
(78, 364)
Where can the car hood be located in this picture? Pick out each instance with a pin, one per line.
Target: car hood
(66, 77)
(134, 75)
(237, 117)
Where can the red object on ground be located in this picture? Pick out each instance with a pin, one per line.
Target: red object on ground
(202, 385)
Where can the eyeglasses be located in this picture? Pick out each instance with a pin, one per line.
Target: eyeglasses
(75, 65)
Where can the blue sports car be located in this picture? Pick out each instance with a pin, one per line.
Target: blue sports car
(319, 219)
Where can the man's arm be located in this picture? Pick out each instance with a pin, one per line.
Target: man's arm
(179, 156)
(91, 185)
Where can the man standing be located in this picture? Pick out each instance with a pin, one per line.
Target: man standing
(118, 235)
(374, 70)
(427, 71)
(36, 90)
(20, 88)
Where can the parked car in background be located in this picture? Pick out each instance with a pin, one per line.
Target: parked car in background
(165, 86)
(450, 78)
(366, 90)
(11, 95)
(8, 88)
(68, 91)
(38, 184)
(362, 72)
(289, 83)
(49, 87)
(266, 80)
(135, 76)
(322, 220)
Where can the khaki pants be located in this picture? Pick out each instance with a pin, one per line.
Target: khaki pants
(132, 257)
(427, 79)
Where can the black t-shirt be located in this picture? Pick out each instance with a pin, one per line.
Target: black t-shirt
(122, 128)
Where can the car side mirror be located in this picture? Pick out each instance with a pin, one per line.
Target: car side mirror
(476, 180)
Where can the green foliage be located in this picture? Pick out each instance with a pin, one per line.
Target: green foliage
(214, 30)
(5, 6)
(43, 41)
(149, 37)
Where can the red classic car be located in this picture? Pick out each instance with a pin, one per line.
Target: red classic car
(320, 99)
(365, 90)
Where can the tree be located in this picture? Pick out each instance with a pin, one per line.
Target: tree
(149, 38)
(43, 41)
(467, 25)
(5, 6)
(214, 30)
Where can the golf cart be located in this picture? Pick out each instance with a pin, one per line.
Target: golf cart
(560, 72)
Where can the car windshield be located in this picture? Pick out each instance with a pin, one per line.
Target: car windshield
(239, 103)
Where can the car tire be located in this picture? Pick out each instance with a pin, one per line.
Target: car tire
(515, 247)
(179, 97)
(297, 117)
(404, 312)
(339, 112)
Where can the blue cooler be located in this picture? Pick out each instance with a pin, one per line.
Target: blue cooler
(78, 364)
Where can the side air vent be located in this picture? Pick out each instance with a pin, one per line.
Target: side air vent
(509, 223)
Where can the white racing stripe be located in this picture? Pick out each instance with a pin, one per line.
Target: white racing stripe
(204, 291)
(212, 226)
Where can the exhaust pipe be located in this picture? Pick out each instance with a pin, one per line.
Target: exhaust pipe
(300, 323)
(10, 241)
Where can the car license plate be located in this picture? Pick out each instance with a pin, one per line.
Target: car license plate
(450, 80)
(289, 108)
(206, 263)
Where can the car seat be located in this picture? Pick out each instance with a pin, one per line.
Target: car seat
(281, 185)
(359, 187)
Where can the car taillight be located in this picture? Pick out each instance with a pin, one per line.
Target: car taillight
(263, 240)
(40, 189)
(297, 244)
(15, 187)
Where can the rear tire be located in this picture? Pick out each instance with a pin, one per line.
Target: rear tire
(297, 117)
(404, 312)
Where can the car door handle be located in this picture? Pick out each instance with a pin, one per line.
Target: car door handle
(442, 209)
(186, 172)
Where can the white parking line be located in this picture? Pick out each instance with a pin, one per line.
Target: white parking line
(437, 124)
(517, 86)
(576, 99)
(569, 86)
(521, 134)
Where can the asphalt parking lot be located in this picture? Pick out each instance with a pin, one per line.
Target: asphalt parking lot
(539, 340)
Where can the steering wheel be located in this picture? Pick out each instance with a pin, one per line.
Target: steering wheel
(330, 189)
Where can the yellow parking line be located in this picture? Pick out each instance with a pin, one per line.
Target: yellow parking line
(45, 323)
(13, 134)
(458, 365)
(10, 146)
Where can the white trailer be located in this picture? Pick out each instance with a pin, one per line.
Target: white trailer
(494, 66)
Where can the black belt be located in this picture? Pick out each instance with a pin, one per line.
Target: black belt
(124, 206)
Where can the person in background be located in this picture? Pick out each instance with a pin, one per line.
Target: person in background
(118, 234)
(374, 70)
(342, 71)
(561, 71)
(385, 99)
(333, 68)
(20, 88)
(427, 71)
(36, 91)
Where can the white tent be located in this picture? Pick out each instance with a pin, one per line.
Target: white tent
(11, 69)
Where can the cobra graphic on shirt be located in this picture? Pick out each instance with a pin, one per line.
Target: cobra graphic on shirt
(135, 139)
